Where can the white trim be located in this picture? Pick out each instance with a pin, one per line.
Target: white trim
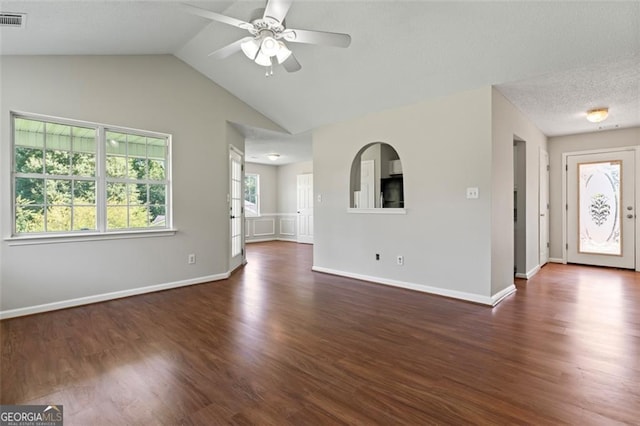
(470, 297)
(502, 294)
(529, 274)
(30, 310)
(291, 219)
(264, 240)
(273, 227)
(84, 237)
(260, 240)
(556, 260)
(377, 211)
(291, 240)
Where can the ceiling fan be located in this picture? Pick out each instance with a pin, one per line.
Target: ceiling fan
(266, 44)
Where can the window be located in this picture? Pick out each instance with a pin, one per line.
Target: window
(72, 177)
(252, 194)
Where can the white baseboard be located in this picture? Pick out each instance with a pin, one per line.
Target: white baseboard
(529, 274)
(555, 260)
(502, 294)
(260, 240)
(264, 240)
(291, 240)
(30, 310)
(470, 297)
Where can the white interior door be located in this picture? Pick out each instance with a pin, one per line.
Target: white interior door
(236, 213)
(601, 209)
(543, 205)
(367, 196)
(305, 208)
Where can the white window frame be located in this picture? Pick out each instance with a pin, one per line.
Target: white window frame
(101, 231)
(246, 212)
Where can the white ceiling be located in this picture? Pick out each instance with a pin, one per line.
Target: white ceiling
(553, 60)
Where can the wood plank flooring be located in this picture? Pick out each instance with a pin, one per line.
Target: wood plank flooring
(278, 344)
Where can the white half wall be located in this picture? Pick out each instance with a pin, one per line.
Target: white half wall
(153, 92)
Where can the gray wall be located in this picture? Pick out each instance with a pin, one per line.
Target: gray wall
(158, 93)
(288, 185)
(444, 238)
(573, 143)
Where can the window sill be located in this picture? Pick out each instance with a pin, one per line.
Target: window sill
(377, 211)
(93, 236)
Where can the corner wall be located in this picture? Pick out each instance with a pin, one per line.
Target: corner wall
(508, 122)
(158, 93)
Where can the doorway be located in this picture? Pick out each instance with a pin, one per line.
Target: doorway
(520, 208)
(305, 208)
(600, 208)
(236, 213)
(543, 206)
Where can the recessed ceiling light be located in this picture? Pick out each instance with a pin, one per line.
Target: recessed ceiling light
(273, 157)
(597, 115)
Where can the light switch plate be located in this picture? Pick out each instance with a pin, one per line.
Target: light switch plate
(472, 193)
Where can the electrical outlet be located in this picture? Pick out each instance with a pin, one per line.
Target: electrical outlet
(400, 260)
(377, 256)
(191, 259)
(472, 193)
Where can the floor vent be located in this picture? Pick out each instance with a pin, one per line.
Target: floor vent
(13, 20)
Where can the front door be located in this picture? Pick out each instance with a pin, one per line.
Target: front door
(236, 201)
(601, 209)
(305, 208)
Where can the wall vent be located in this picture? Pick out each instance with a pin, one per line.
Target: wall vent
(13, 20)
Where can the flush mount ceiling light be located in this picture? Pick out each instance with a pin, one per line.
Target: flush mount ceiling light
(597, 115)
(273, 157)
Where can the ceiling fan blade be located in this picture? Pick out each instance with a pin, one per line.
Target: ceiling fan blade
(230, 49)
(292, 64)
(218, 17)
(317, 37)
(277, 9)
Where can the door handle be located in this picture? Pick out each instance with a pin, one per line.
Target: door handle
(541, 214)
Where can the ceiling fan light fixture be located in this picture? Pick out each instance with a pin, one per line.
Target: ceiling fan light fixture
(250, 48)
(597, 115)
(273, 157)
(262, 59)
(283, 53)
(270, 46)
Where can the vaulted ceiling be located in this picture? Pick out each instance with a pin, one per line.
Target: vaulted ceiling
(552, 60)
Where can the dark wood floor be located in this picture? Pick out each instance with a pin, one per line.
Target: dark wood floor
(278, 344)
